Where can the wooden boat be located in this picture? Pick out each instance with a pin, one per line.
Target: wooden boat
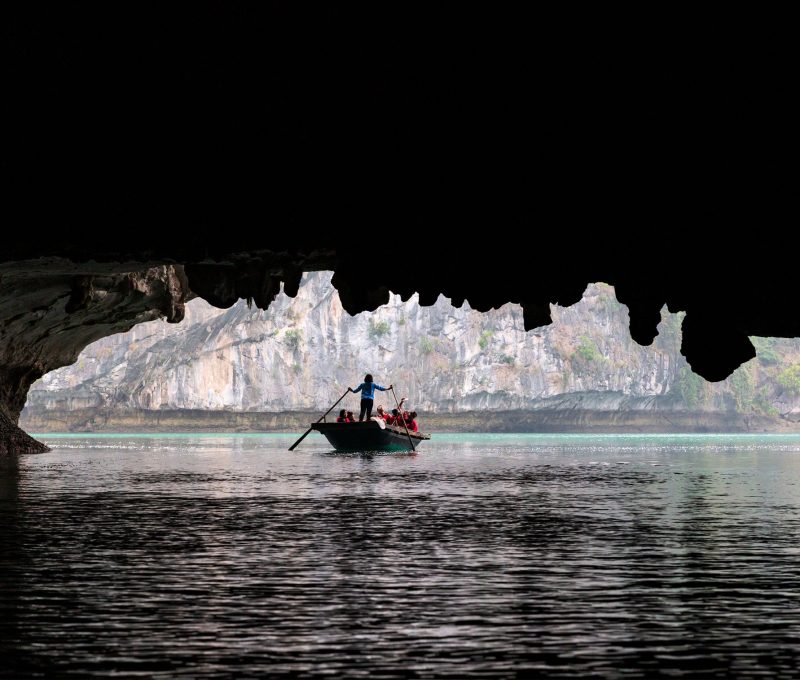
(371, 435)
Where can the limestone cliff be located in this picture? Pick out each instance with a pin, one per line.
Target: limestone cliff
(305, 351)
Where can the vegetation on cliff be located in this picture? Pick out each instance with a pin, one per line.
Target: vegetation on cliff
(303, 351)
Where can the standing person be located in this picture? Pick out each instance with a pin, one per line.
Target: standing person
(367, 389)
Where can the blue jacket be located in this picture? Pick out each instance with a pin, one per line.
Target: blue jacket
(368, 390)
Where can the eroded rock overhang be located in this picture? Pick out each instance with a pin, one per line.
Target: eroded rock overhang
(52, 307)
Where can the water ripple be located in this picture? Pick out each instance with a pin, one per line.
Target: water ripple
(478, 557)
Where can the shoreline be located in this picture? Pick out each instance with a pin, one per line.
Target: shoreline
(540, 420)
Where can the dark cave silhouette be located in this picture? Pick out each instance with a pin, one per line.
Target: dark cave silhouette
(488, 158)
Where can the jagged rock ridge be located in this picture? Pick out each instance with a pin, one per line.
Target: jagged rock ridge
(303, 352)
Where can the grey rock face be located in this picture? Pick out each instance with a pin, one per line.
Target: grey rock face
(304, 352)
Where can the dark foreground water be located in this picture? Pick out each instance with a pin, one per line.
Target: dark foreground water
(485, 555)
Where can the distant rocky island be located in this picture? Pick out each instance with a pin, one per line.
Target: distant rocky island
(243, 369)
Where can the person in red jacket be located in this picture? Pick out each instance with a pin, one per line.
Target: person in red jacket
(411, 421)
(342, 416)
(382, 414)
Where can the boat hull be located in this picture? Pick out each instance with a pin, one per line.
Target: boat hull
(368, 436)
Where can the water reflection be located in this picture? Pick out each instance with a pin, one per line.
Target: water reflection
(487, 555)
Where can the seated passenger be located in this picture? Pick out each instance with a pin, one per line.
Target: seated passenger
(342, 416)
(411, 421)
(350, 417)
(382, 414)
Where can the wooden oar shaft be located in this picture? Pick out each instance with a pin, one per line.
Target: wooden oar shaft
(400, 415)
(308, 431)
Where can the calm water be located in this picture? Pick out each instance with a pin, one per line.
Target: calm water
(483, 555)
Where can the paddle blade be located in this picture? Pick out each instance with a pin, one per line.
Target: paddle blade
(307, 432)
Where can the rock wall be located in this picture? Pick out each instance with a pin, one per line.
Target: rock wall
(303, 352)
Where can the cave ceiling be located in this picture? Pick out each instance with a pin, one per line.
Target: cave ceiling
(250, 145)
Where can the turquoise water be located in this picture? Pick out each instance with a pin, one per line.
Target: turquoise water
(481, 555)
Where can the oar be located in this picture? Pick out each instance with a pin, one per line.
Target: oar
(400, 415)
(308, 431)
